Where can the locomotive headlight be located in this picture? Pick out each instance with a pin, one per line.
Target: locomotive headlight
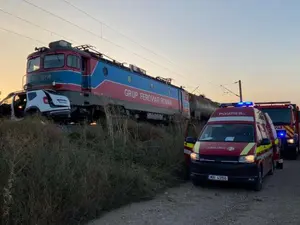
(53, 83)
(290, 141)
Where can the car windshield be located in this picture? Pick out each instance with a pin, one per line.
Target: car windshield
(279, 116)
(7, 99)
(228, 132)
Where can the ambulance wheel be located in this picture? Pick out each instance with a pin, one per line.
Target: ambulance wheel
(187, 173)
(197, 182)
(279, 165)
(271, 172)
(257, 186)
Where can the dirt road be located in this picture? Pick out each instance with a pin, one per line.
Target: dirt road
(277, 203)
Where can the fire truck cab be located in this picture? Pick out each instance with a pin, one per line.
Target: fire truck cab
(238, 144)
(286, 121)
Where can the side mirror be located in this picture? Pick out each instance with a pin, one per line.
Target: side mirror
(265, 141)
(191, 140)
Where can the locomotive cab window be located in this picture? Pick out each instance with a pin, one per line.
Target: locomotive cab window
(33, 64)
(54, 61)
(73, 61)
(84, 65)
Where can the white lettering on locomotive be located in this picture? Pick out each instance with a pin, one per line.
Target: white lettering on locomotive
(147, 97)
(130, 93)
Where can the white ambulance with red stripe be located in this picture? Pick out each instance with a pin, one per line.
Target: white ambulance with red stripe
(238, 144)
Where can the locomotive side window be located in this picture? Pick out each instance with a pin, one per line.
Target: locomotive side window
(83, 65)
(54, 61)
(73, 61)
(33, 64)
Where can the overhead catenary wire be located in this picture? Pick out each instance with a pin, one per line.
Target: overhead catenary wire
(36, 25)
(101, 37)
(115, 30)
(79, 27)
(42, 28)
(120, 33)
(21, 35)
(107, 40)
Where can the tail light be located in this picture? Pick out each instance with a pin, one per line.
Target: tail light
(45, 99)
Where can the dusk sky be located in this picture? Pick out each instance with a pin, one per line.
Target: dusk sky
(205, 43)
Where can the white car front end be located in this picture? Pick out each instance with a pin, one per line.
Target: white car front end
(49, 103)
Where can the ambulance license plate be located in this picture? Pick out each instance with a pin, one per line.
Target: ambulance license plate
(218, 178)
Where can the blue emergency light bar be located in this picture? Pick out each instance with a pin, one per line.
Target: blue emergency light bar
(281, 133)
(237, 104)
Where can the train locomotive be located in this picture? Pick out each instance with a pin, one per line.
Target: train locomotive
(92, 81)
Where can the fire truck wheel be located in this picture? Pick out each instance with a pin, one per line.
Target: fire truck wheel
(259, 182)
(295, 154)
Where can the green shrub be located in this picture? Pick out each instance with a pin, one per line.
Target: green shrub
(50, 175)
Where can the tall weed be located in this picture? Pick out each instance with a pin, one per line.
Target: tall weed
(50, 175)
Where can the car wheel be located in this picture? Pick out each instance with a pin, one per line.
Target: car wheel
(259, 182)
(33, 113)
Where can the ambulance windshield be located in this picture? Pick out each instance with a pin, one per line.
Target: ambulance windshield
(228, 133)
(279, 116)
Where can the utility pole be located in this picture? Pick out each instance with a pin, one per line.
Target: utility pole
(240, 90)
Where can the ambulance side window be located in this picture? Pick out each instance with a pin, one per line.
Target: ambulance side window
(259, 135)
(261, 116)
(263, 130)
(208, 132)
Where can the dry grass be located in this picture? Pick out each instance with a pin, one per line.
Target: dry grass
(52, 176)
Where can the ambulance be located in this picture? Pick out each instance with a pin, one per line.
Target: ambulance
(238, 144)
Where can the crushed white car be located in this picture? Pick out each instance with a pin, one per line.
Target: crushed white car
(18, 105)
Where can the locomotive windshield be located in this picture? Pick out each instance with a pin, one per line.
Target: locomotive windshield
(33, 64)
(54, 61)
(279, 116)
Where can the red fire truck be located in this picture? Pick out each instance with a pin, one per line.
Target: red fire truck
(285, 118)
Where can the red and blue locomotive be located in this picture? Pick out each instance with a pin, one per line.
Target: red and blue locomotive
(91, 81)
